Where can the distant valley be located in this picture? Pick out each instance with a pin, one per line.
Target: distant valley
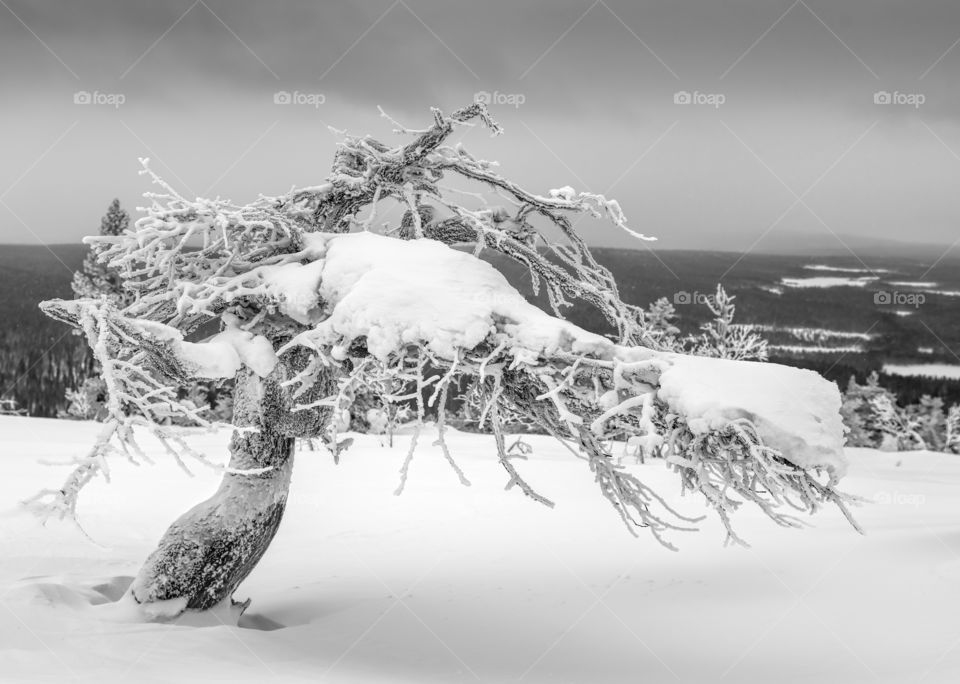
(837, 314)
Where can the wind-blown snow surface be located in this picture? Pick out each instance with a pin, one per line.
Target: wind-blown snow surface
(452, 584)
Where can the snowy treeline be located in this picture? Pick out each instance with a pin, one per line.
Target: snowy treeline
(874, 419)
(720, 338)
(817, 335)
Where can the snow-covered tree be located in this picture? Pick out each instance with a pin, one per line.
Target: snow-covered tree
(317, 304)
(855, 413)
(722, 338)
(930, 422)
(660, 321)
(900, 430)
(88, 401)
(867, 411)
(874, 419)
(97, 278)
(952, 430)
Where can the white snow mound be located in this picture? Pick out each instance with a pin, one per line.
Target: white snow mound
(396, 293)
(222, 355)
(796, 411)
(399, 292)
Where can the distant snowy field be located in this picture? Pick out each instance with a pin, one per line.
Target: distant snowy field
(930, 370)
(828, 281)
(453, 584)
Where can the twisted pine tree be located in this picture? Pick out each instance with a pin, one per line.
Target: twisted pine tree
(316, 304)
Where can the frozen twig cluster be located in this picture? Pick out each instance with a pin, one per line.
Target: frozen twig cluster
(592, 401)
(142, 375)
(732, 466)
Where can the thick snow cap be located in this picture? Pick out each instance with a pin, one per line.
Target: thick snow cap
(796, 411)
(397, 292)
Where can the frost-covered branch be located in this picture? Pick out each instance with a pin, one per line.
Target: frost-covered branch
(142, 366)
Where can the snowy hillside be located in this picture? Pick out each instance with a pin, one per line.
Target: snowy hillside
(451, 584)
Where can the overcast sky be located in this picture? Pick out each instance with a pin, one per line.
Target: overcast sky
(783, 135)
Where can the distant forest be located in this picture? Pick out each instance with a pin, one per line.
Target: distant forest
(40, 359)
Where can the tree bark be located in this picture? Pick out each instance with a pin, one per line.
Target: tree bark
(207, 552)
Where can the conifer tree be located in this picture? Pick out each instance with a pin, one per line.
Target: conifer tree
(96, 278)
(659, 320)
(722, 338)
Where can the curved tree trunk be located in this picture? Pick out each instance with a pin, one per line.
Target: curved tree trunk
(207, 552)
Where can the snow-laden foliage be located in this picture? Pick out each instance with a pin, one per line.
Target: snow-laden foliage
(88, 401)
(97, 278)
(719, 338)
(660, 322)
(952, 431)
(303, 291)
(874, 419)
(724, 339)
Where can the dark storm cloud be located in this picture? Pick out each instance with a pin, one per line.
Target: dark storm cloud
(598, 81)
(409, 47)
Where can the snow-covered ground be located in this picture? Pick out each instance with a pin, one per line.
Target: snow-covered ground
(812, 334)
(822, 267)
(813, 349)
(815, 340)
(929, 370)
(451, 584)
(828, 281)
(911, 283)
